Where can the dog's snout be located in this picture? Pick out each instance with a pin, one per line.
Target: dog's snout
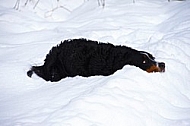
(161, 65)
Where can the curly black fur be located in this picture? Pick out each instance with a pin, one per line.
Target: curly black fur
(88, 58)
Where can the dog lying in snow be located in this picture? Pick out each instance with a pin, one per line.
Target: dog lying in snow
(89, 58)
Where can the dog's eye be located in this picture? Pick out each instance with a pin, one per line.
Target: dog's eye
(144, 61)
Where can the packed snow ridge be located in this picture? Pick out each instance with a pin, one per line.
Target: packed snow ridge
(129, 97)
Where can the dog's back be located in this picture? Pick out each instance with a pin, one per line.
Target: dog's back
(87, 58)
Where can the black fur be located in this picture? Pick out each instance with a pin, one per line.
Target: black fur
(88, 58)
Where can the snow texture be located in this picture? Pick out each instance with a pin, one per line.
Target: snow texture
(130, 97)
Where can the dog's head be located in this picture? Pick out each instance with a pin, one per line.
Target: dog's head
(147, 62)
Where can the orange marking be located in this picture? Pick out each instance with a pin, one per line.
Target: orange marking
(153, 68)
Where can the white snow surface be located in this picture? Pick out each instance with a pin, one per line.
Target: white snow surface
(129, 97)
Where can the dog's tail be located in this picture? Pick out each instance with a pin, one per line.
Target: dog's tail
(30, 72)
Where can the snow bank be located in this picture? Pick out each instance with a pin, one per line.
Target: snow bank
(128, 97)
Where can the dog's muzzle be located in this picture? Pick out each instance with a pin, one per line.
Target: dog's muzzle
(161, 67)
(158, 67)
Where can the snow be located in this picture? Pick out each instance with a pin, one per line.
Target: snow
(128, 97)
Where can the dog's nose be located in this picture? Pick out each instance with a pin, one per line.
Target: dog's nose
(161, 65)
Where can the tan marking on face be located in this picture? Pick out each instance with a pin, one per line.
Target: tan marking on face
(153, 68)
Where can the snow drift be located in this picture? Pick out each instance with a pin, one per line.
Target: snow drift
(128, 97)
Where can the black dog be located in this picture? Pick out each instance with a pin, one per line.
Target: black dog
(88, 58)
